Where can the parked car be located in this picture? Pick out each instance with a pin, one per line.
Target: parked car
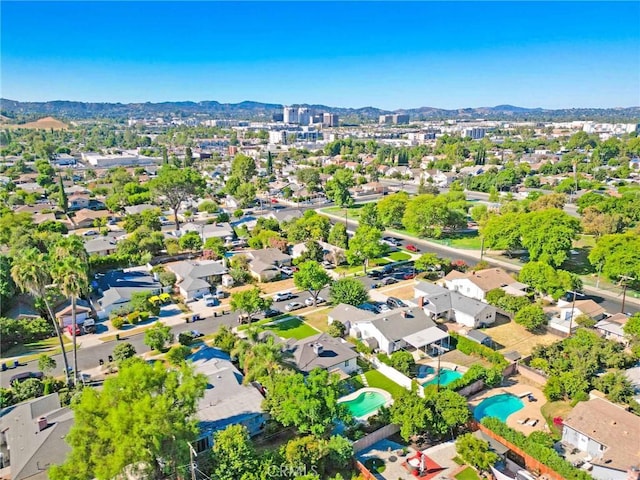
(210, 300)
(70, 330)
(287, 270)
(375, 274)
(21, 377)
(382, 307)
(271, 312)
(403, 275)
(394, 302)
(328, 265)
(90, 233)
(412, 248)
(370, 307)
(388, 281)
(293, 306)
(282, 296)
(89, 325)
(392, 242)
(309, 301)
(196, 334)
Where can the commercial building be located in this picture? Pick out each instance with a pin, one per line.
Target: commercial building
(330, 120)
(290, 115)
(304, 116)
(475, 133)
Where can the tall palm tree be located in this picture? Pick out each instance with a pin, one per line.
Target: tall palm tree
(72, 279)
(30, 272)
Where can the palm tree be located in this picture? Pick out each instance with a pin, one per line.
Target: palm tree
(72, 278)
(30, 272)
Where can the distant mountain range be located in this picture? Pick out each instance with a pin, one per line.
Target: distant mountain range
(69, 110)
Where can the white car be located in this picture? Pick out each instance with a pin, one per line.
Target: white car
(309, 301)
(90, 233)
(282, 296)
(293, 306)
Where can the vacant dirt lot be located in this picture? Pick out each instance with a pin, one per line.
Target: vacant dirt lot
(404, 292)
(511, 336)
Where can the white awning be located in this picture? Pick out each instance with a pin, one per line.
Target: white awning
(425, 337)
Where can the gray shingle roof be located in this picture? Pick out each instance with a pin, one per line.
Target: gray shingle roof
(334, 352)
(394, 326)
(348, 313)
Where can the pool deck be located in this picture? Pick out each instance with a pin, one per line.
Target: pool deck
(530, 411)
(388, 399)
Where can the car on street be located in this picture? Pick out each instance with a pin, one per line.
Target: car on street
(90, 233)
(271, 312)
(196, 334)
(392, 242)
(309, 301)
(412, 248)
(375, 274)
(70, 330)
(293, 306)
(388, 281)
(394, 302)
(403, 275)
(282, 296)
(21, 377)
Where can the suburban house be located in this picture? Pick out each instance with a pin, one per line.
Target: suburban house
(264, 264)
(329, 250)
(324, 351)
(612, 328)
(440, 302)
(285, 216)
(137, 209)
(565, 318)
(608, 433)
(206, 231)
(78, 201)
(64, 314)
(347, 314)
(34, 433)
(401, 328)
(227, 401)
(22, 308)
(477, 284)
(100, 246)
(115, 289)
(86, 218)
(195, 277)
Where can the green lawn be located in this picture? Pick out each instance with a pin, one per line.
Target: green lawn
(353, 212)
(468, 474)
(50, 346)
(292, 328)
(378, 380)
(399, 256)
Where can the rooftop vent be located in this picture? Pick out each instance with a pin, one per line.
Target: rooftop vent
(318, 348)
(42, 423)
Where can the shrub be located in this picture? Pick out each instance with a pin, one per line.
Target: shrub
(185, 338)
(117, 322)
(144, 316)
(178, 354)
(133, 318)
(402, 361)
(123, 351)
(224, 339)
(469, 347)
(337, 329)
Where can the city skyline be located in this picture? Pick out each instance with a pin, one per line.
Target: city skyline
(406, 55)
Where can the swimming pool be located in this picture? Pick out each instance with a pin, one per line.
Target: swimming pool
(499, 406)
(365, 403)
(446, 377)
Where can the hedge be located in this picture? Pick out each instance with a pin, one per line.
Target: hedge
(545, 455)
(117, 322)
(469, 347)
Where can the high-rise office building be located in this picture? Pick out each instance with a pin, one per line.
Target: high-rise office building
(290, 115)
(330, 120)
(304, 116)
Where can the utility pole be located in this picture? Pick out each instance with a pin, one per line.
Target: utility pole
(481, 247)
(624, 279)
(573, 309)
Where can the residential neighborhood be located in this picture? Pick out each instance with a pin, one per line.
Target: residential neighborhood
(200, 289)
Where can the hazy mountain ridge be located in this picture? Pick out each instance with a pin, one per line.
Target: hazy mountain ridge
(258, 110)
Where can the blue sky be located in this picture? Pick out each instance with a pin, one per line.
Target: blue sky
(383, 54)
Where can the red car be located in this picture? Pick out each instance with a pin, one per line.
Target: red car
(70, 330)
(412, 248)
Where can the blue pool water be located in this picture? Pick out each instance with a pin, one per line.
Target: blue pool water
(446, 377)
(499, 406)
(365, 403)
(425, 371)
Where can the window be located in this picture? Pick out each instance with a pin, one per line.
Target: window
(346, 364)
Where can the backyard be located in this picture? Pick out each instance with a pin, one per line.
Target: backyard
(511, 336)
(376, 379)
(287, 327)
(467, 474)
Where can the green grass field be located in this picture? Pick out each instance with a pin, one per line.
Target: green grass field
(50, 346)
(378, 380)
(292, 328)
(399, 256)
(468, 474)
(352, 212)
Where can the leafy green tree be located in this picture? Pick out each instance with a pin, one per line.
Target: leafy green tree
(249, 302)
(450, 412)
(617, 255)
(141, 302)
(312, 278)
(475, 452)
(176, 185)
(310, 404)
(233, 453)
(545, 279)
(391, 209)
(243, 168)
(269, 164)
(191, 241)
(632, 327)
(349, 291)
(245, 194)
(216, 245)
(402, 361)
(365, 245)
(46, 363)
(428, 261)
(178, 354)
(429, 216)
(158, 336)
(313, 251)
(147, 438)
(548, 235)
(63, 201)
(7, 286)
(123, 351)
(531, 317)
(188, 157)
(411, 414)
(208, 206)
(337, 329)
(369, 216)
(338, 236)
(502, 232)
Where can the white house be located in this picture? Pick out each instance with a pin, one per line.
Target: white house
(195, 278)
(478, 284)
(608, 433)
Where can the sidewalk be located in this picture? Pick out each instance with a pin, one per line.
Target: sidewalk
(494, 261)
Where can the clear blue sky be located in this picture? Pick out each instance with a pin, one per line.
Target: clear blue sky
(389, 55)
